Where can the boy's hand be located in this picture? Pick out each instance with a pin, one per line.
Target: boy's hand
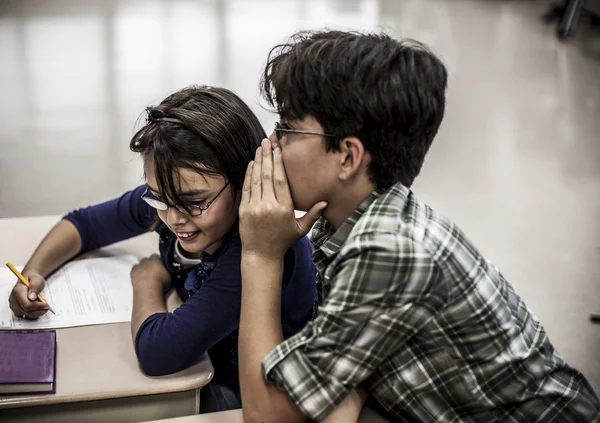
(151, 270)
(268, 226)
(23, 301)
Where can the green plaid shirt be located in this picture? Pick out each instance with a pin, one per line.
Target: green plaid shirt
(410, 310)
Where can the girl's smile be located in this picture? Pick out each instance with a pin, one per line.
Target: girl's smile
(200, 233)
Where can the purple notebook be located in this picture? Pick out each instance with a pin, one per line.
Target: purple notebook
(27, 362)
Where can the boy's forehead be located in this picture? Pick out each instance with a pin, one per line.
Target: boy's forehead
(308, 122)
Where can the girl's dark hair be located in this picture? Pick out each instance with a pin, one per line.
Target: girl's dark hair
(388, 93)
(206, 129)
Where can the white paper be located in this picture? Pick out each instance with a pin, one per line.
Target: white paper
(83, 292)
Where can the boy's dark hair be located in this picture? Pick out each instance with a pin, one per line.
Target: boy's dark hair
(205, 129)
(390, 94)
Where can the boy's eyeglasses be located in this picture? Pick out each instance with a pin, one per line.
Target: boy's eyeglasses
(281, 129)
(189, 210)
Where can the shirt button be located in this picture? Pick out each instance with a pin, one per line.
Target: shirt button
(303, 338)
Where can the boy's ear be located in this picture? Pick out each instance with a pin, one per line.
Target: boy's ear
(352, 157)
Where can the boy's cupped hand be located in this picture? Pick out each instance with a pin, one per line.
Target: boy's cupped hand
(268, 225)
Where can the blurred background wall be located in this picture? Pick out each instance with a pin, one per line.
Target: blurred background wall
(516, 163)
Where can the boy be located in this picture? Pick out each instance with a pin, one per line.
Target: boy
(409, 310)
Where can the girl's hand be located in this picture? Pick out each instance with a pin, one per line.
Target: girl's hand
(151, 270)
(23, 301)
(268, 226)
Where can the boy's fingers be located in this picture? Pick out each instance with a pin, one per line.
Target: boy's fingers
(256, 183)
(267, 170)
(247, 187)
(280, 181)
(306, 222)
(273, 140)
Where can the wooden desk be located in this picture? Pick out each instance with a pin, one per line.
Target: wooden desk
(235, 416)
(97, 375)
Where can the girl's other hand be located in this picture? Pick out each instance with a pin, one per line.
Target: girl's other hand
(151, 269)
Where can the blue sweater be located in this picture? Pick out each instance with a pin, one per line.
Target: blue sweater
(208, 319)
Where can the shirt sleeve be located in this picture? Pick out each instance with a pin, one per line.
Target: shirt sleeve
(113, 221)
(169, 342)
(384, 289)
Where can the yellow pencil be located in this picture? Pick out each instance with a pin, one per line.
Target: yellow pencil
(25, 282)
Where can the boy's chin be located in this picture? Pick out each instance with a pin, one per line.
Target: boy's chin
(301, 211)
(301, 206)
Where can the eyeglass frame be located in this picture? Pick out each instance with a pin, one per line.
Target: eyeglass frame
(147, 195)
(279, 129)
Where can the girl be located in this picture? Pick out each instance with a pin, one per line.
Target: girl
(195, 146)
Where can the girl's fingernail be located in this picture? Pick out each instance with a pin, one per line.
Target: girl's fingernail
(251, 163)
(277, 151)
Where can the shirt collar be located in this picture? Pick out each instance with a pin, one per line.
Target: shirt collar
(180, 257)
(330, 241)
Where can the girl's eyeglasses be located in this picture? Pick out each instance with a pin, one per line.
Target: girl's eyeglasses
(189, 209)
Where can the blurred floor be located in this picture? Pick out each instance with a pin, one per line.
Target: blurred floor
(516, 164)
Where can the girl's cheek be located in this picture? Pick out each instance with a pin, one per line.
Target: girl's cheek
(162, 215)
